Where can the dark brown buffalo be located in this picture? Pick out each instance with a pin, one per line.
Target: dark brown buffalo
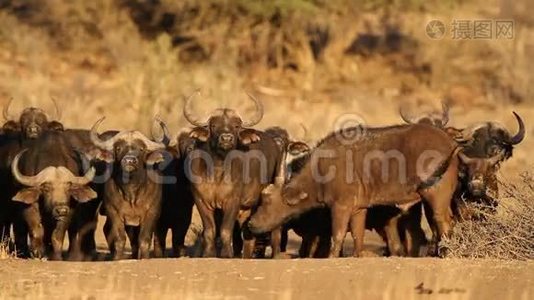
(53, 172)
(289, 147)
(177, 205)
(485, 147)
(351, 176)
(14, 136)
(31, 123)
(228, 169)
(132, 196)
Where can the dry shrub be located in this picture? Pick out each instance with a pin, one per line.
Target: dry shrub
(508, 234)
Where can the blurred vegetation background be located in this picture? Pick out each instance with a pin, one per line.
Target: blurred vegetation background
(309, 61)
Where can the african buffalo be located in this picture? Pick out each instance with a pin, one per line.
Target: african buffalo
(51, 171)
(289, 147)
(132, 196)
(228, 169)
(315, 226)
(485, 146)
(177, 200)
(14, 136)
(349, 176)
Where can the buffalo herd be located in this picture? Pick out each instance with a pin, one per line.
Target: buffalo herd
(250, 187)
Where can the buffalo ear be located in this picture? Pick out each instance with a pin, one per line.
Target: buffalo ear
(99, 154)
(55, 126)
(293, 196)
(249, 136)
(82, 193)
(297, 148)
(11, 126)
(28, 195)
(200, 133)
(155, 158)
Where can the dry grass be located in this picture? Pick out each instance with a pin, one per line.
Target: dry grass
(508, 234)
(5, 252)
(130, 60)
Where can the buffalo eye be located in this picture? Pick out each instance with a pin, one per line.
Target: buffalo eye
(45, 187)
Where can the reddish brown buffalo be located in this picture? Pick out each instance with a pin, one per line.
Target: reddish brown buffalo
(228, 169)
(349, 177)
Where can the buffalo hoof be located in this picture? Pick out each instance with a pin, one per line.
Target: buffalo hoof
(432, 250)
(366, 253)
(209, 253)
(227, 253)
(37, 254)
(179, 252)
(282, 255)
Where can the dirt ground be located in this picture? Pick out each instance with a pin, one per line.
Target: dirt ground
(196, 278)
(365, 278)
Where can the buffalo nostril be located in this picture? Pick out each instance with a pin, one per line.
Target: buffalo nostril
(61, 211)
(130, 160)
(227, 138)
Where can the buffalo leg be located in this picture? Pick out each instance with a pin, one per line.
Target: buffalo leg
(414, 236)
(357, 226)
(394, 243)
(227, 230)
(159, 240)
(340, 222)
(75, 248)
(133, 237)
(116, 237)
(145, 235)
(237, 243)
(323, 248)
(208, 235)
(276, 239)
(58, 236)
(36, 230)
(305, 246)
(283, 240)
(87, 238)
(178, 239)
(439, 197)
(21, 231)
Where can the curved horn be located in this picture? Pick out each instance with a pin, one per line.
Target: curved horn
(166, 138)
(188, 115)
(7, 117)
(85, 179)
(520, 135)
(23, 179)
(404, 117)
(106, 145)
(259, 112)
(58, 110)
(445, 114)
(280, 178)
(464, 158)
(150, 144)
(305, 131)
